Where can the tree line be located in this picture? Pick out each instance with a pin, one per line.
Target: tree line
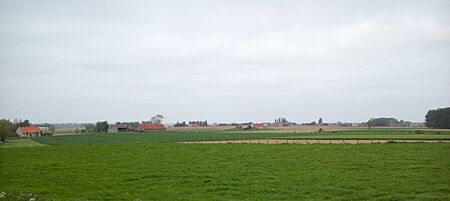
(100, 126)
(184, 124)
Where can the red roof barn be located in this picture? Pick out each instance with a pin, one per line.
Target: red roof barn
(258, 125)
(194, 125)
(151, 127)
(29, 131)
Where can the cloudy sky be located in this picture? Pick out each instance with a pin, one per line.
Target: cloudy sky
(224, 61)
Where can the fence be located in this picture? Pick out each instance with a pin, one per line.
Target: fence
(276, 141)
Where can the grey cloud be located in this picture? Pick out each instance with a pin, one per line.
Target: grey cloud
(223, 60)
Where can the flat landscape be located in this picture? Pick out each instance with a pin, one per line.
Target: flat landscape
(225, 100)
(151, 166)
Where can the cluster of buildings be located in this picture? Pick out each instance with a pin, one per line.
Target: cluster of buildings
(36, 131)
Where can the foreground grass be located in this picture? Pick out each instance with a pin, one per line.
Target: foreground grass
(229, 172)
(20, 142)
(159, 137)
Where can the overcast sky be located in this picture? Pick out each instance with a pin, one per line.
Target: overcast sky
(224, 61)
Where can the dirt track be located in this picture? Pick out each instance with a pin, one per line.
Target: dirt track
(314, 141)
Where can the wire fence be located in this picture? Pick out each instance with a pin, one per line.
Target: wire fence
(322, 141)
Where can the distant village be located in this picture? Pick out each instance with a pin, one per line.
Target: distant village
(26, 129)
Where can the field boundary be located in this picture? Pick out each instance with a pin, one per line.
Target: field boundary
(274, 141)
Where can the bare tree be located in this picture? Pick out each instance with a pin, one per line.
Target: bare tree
(157, 119)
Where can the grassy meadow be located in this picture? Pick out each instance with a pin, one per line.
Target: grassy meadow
(149, 166)
(186, 136)
(25, 142)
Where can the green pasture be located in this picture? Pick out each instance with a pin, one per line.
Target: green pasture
(164, 137)
(415, 171)
(151, 137)
(379, 134)
(20, 142)
(149, 166)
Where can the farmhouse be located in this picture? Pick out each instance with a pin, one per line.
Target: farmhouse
(150, 127)
(30, 131)
(258, 126)
(118, 128)
(194, 125)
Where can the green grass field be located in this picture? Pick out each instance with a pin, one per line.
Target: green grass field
(151, 137)
(163, 137)
(25, 142)
(145, 166)
(388, 134)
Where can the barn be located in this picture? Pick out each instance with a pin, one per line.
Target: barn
(150, 127)
(29, 131)
(118, 128)
(258, 126)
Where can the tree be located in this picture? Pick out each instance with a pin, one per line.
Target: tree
(101, 126)
(6, 129)
(20, 123)
(182, 124)
(382, 122)
(438, 118)
(90, 128)
(157, 119)
(370, 123)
